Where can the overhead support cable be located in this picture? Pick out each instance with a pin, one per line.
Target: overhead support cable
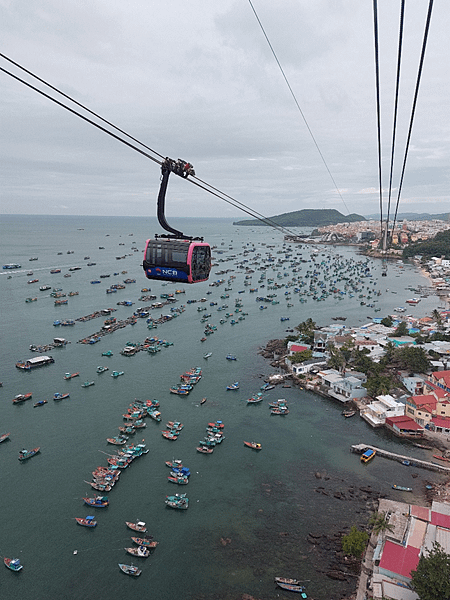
(298, 105)
(377, 86)
(159, 157)
(394, 127)
(413, 110)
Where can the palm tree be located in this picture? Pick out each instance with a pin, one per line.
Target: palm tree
(380, 523)
(436, 315)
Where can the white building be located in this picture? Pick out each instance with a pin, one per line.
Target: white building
(376, 412)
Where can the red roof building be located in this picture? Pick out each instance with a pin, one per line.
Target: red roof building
(404, 426)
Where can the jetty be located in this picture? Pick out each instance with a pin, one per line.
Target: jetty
(413, 462)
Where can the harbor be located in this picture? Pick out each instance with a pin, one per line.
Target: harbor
(405, 460)
(253, 515)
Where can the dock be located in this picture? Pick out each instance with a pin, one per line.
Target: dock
(413, 462)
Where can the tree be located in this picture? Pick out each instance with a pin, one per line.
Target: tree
(413, 359)
(337, 360)
(299, 357)
(380, 522)
(436, 315)
(386, 321)
(431, 579)
(355, 542)
(306, 329)
(378, 384)
(401, 330)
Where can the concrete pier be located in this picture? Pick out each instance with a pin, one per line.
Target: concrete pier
(414, 462)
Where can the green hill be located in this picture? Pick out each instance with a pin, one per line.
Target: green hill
(438, 246)
(307, 217)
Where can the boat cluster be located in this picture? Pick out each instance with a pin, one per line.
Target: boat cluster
(188, 380)
(214, 436)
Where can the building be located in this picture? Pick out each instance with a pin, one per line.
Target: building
(376, 412)
(404, 427)
(397, 552)
(343, 387)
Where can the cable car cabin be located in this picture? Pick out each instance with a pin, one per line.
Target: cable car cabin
(177, 260)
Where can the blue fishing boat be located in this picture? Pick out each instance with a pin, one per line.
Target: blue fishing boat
(12, 563)
(130, 570)
(233, 386)
(89, 521)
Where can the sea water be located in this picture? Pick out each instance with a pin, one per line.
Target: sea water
(250, 513)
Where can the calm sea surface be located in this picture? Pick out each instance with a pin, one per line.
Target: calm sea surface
(249, 513)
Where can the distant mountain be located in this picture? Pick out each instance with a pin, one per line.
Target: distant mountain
(438, 246)
(414, 217)
(305, 218)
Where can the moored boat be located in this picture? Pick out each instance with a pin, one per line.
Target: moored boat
(4, 437)
(141, 551)
(60, 396)
(13, 564)
(88, 383)
(130, 570)
(292, 587)
(401, 488)
(97, 501)
(40, 403)
(253, 445)
(367, 455)
(71, 375)
(233, 386)
(89, 521)
(26, 454)
(137, 526)
(205, 450)
(21, 398)
(147, 542)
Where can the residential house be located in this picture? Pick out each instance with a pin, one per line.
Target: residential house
(441, 379)
(414, 385)
(421, 408)
(343, 387)
(385, 406)
(404, 427)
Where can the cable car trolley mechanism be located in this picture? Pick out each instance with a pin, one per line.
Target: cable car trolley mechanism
(175, 257)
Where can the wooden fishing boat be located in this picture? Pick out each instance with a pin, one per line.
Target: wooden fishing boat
(130, 570)
(147, 542)
(59, 396)
(292, 588)
(71, 375)
(287, 580)
(178, 480)
(233, 386)
(181, 504)
(117, 441)
(4, 437)
(141, 551)
(26, 454)
(97, 501)
(203, 400)
(348, 413)
(21, 398)
(89, 521)
(439, 457)
(253, 445)
(87, 384)
(175, 463)
(40, 403)
(401, 488)
(255, 398)
(169, 436)
(138, 526)
(13, 564)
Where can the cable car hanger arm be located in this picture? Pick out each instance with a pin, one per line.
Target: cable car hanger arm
(183, 169)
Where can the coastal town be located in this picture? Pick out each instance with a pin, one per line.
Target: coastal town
(394, 372)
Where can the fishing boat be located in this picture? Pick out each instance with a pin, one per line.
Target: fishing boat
(401, 488)
(230, 357)
(180, 504)
(59, 396)
(26, 454)
(101, 369)
(255, 398)
(348, 413)
(367, 455)
(207, 355)
(169, 436)
(117, 373)
(13, 564)
(130, 570)
(287, 580)
(253, 445)
(117, 440)
(71, 375)
(178, 480)
(439, 457)
(21, 398)
(233, 386)
(141, 551)
(292, 588)
(89, 521)
(4, 437)
(40, 403)
(97, 501)
(88, 383)
(203, 400)
(147, 542)
(175, 497)
(107, 353)
(137, 526)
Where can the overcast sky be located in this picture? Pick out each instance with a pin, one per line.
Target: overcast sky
(197, 80)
